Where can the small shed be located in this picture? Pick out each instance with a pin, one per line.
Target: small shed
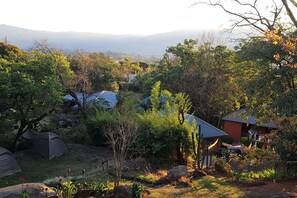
(8, 163)
(47, 144)
(208, 131)
(210, 136)
(236, 126)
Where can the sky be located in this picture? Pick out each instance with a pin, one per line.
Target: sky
(140, 17)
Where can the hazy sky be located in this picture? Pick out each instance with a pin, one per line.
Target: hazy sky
(111, 16)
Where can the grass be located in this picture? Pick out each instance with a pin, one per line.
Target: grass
(148, 178)
(37, 169)
(79, 157)
(205, 187)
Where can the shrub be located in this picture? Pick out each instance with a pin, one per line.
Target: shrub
(99, 188)
(67, 190)
(285, 138)
(245, 141)
(137, 190)
(79, 135)
(95, 126)
(222, 166)
(163, 136)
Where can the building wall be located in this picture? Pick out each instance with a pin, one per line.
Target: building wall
(233, 129)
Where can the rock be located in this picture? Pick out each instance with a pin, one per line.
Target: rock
(199, 173)
(34, 190)
(184, 182)
(123, 191)
(177, 172)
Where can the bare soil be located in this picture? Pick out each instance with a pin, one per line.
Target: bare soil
(270, 189)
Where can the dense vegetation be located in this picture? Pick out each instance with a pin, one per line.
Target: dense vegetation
(201, 79)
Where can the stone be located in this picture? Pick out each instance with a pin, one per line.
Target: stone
(177, 172)
(123, 191)
(199, 173)
(34, 190)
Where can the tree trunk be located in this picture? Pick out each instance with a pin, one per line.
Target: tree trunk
(179, 155)
(23, 127)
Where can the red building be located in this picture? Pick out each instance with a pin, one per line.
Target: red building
(236, 126)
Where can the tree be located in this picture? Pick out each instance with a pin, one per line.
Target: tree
(121, 133)
(121, 136)
(30, 89)
(164, 134)
(203, 72)
(252, 13)
(92, 72)
(285, 138)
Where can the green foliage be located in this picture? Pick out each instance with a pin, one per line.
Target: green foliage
(268, 84)
(92, 72)
(285, 138)
(24, 194)
(245, 141)
(68, 190)
(155, 99)
(100, 188)
(145, 81)
(222, 166)
(79, 135)
(30, 89)
(97, 122)
(95, 126)
(11, 52)
(137, 190)
(265, 174)
(203, 72)
(162, 137)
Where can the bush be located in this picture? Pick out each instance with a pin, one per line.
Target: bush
(67, 190)
(285, 138)
(137, 190)
(99, 188)
(95, 126)
(222, 166)
(245, 141)
(162, 136)
(7, 139)
(79, 135)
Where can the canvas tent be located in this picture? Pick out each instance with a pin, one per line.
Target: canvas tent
(48, 144)
(8, 163)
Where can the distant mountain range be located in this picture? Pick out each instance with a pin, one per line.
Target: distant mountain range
(151, 45)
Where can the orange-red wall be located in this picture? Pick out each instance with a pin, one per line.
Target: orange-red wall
(233, 129)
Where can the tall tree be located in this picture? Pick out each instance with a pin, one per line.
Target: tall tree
(204, 73)
(29, 89)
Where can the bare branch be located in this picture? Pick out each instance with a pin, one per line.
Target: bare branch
(252, 17)
(294, 2)
(289, 11)
(121, 136)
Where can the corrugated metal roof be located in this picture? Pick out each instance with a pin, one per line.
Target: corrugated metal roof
(237, 116)
(207, 130)
(109, 96)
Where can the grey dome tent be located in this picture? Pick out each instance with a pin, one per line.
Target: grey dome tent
(8, 163)
(48, 144)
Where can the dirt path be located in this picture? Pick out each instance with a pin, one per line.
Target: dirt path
(284, 187)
